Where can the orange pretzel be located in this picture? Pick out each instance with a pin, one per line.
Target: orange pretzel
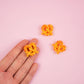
(31, 49)
(59, 47)
(47, 30)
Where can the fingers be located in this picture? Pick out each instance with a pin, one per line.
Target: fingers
(8, 60)
(19, 76)
(34, 40)
(30, 75)
(17, 63)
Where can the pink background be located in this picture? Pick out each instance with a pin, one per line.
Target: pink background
(22, 19)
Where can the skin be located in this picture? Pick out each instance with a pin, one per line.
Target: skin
(16, 67)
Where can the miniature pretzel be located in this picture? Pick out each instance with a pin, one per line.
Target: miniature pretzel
(47, 30)
(59, 47)
(30, 49)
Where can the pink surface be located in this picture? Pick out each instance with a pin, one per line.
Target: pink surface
(22, 19)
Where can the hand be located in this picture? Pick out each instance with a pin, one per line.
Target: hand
(16, 67)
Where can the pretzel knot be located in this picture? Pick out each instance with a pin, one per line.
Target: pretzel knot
(47, 30)
(59, 47)
(30, 49)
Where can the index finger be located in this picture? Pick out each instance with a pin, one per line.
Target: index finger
(10, 57)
